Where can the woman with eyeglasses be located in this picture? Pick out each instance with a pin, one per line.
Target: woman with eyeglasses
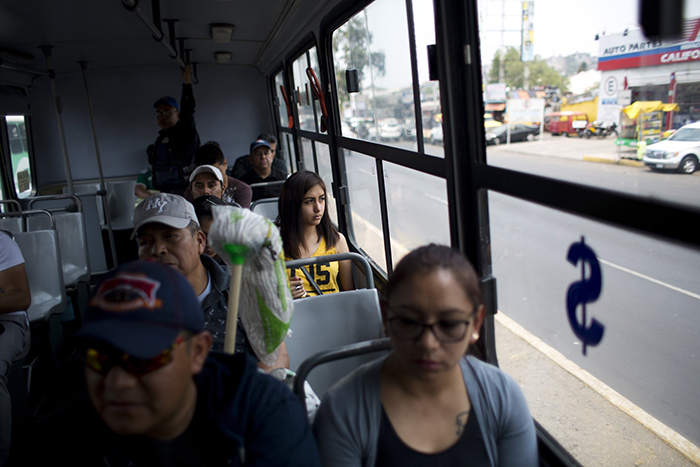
(306, 231)
(426, 403)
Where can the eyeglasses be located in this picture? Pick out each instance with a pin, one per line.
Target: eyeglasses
(444, 331)
(103, 361)
(164, 113)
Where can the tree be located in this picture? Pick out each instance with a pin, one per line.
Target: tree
(540, 72)
(351, 49)
(582, 67)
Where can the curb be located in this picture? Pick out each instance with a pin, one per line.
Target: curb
(605, 160)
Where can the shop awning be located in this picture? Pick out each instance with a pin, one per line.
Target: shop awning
(495, 107)
(633, 110)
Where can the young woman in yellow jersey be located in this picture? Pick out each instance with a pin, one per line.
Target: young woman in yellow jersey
(307, 231)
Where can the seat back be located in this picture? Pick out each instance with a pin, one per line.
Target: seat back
(367, 349)
(72, 244)
(268, 207)
(355, 257)
(42, 261)
(329, 321)
(94, 221)
(11, 224)
(72, 237)
(121, 200)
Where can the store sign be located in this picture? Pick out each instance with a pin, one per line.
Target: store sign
(624, 97)
(527, 44)
(634, 50)
(525, 110)
(495, 92)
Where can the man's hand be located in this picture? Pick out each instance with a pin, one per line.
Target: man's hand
(187, 74)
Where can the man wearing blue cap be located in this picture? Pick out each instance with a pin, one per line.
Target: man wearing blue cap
(171, 155)
(156, 395)
(263, 170)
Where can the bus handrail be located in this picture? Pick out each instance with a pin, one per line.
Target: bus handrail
(267, 184)
(77, 205)
(369, 276)
(12, 202)
(352, 350)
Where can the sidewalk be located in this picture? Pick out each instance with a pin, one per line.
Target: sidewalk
(591, 150)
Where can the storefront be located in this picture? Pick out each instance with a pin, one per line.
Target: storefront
(635, 68)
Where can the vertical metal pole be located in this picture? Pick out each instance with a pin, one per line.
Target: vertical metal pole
(103, 187)
(59, 109)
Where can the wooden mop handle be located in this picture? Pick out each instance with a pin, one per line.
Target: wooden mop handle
(234, 294)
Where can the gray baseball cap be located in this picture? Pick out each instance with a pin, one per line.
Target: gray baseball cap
(164, 208)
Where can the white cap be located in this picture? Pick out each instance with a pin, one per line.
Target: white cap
(207, 169)
(164, 208)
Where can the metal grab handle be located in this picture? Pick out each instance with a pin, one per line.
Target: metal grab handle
(25, 214)
(298, 263)
(77, 205)
(326, 356)
(266, 184)
(11, 202)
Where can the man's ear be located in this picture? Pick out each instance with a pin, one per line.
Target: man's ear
(201, 240)
(199, 350)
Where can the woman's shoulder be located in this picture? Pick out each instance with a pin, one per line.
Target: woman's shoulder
(500, 389)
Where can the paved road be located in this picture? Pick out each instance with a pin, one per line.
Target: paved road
(651, 289)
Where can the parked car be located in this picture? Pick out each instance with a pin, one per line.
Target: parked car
(436, 136)
(389, 129)
(518, 132)
(679, 152)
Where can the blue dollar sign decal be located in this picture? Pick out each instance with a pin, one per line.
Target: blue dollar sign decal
(583, 292)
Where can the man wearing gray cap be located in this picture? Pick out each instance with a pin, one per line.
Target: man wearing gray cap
(167, 231)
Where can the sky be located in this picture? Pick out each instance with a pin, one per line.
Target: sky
(561, 27)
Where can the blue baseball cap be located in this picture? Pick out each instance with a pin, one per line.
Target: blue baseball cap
(140, 308)
(257, 143)
(167, 100)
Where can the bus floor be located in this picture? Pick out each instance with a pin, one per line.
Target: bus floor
(584, 421)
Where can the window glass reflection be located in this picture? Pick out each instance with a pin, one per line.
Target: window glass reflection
(323, 156)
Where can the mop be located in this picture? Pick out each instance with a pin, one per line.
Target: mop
(259, 291)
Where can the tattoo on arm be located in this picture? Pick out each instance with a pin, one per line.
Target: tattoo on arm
(461, 422)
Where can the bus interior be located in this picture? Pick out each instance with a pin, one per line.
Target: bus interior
(383, 99)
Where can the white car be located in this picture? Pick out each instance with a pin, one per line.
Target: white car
(436, 135)
(679, 152)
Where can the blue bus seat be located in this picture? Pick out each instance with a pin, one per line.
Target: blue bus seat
(360, 349)
(121, 200)
(329, 321)
(11, 224)
(268, 207)
(94, 221)
(72, 238)
(43, 264)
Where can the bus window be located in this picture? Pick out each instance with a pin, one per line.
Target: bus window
(287, 144)
(366, 232)
(381, 56)
(280, 103)
(19, 153)
(417, 209)
(304, 96)
(307, 154)
(323, 157)
(424, 27)
(584, 389)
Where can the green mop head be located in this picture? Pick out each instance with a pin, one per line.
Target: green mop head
(242, 237)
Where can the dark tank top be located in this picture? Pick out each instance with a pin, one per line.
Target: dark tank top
(469, 450)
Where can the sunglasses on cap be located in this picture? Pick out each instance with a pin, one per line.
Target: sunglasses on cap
(101, 361)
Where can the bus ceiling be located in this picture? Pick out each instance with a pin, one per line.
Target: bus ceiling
(111, 33)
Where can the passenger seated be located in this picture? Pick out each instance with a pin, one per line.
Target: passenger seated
(426, 403)
(15, 299)
(202, 207)
(167, 231)
(307, 231)
(207, 180)
(262, 171)
(234, 190)
(242, 164)
(157, 396)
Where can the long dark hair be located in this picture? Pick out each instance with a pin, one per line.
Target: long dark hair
(429, 258)
(288, 220)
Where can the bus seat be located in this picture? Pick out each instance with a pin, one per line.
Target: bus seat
(267, 207)
(352, 351)
(121, 200)
(72, 239)
(94, 220)
(328, 321)
(11, 224)
(43, 264)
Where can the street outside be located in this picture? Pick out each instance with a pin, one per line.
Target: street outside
(650, 288)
